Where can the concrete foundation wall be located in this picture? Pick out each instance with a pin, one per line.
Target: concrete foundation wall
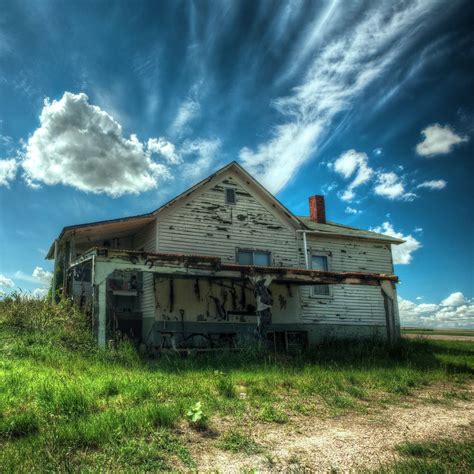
(245, 332)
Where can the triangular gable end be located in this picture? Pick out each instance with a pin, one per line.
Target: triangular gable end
(246, 181)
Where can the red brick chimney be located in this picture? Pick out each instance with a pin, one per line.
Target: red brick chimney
(317, 209)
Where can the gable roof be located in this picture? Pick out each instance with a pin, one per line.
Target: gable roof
(339, 230)
(135, 223)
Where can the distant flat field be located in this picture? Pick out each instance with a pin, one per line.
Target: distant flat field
(440, 334)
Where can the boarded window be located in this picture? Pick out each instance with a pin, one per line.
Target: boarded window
(320, 262)
(229, 196)
(254, 257)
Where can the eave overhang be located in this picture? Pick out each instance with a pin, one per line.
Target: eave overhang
(203, 266)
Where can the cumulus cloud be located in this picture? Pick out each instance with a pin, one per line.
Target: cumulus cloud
(6, 282)
(165, 149)
(8, 169)
(340, 71)
(434, 184)
(438, 140)
(402, 254)
(391, 186)
(80, 145)
(43, 276)
(351, 210)
(353, 164)
(454, 299)
(454, 311)
(38, 276)
(39, 293)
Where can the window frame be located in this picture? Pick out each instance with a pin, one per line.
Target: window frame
(226, 190)
(253, 252)
(327, 255)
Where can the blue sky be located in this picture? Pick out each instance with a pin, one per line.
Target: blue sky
(109, 109)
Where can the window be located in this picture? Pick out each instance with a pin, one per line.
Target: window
(320, 262)
(229, 196)
(254, 257)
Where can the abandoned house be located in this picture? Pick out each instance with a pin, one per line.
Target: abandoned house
(225, 263)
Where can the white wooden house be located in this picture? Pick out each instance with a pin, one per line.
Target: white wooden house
(184, 275)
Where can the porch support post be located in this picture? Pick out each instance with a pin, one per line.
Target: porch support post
(102, 312)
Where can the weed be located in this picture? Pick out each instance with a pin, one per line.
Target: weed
(225, 387)
(197, 417)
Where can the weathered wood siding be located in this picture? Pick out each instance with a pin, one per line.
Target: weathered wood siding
(347, 304)
(145, 240)
(208, 226)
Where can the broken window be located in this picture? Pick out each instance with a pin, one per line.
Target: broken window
(320, 262)
(260, 258)
(230, 196)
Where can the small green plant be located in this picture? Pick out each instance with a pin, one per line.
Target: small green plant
(197, 417)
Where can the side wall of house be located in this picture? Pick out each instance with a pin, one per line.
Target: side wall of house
(349, 309)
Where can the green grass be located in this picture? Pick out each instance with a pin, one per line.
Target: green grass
(66, 405)
(441, 332)
(237, 441)
(444, 456)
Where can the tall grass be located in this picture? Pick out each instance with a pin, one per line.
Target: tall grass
(66, 405)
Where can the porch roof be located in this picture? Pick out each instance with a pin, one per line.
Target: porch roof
(204, 266)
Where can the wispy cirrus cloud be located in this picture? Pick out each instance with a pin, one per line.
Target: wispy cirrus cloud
(341, 71)
(435, 184)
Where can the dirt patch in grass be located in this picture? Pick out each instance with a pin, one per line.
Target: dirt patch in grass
(348, 442)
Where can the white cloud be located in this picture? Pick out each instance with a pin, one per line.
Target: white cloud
(188, 111)
(402, 254)
(454, 299)
(43, 276)
(351, 210)
(80, 145)
(378, 151)
(439, 140)
(390, 185)
(434, 184)
(353, 164)
(339, 73)
(204, 152)
(8, 170)
(164, 148)
(454, 311)
(38, 276)
(6, 282)
(39, 293)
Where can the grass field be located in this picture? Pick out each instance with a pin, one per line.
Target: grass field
(441, 332)
(66, 405)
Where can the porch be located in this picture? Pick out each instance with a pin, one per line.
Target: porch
(110, 283)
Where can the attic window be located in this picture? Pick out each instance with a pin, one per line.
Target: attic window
(229, 196)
